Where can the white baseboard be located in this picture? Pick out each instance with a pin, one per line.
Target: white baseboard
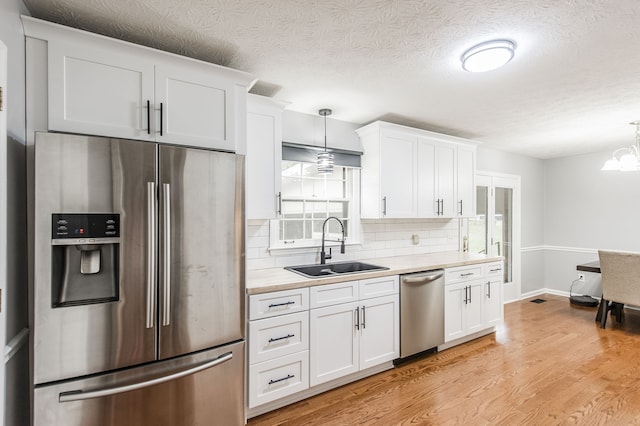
(541, 291)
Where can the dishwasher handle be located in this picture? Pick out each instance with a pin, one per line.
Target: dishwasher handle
(421, 279)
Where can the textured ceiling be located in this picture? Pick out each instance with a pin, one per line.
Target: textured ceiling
(573, 86)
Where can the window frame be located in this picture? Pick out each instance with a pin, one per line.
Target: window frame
(276, 244)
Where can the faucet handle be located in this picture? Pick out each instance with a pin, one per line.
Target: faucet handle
(328, 256)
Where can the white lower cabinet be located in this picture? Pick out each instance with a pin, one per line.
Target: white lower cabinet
(335, 343)
(350, 337)
(277, 378)
(493, 311)
(472, 300)
(463, 309)
(278, 345)
(304, 337)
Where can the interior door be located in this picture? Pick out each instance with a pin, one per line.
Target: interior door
(495, 228)
(201, 303)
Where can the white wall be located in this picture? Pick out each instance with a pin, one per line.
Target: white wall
(531, 172)
(309, 130)
(587, 209)
(14, 277)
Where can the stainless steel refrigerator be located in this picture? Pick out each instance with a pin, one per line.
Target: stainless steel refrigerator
(138, 283)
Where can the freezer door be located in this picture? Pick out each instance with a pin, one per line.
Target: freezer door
(202, 249)
(203, 389)
(107, 320)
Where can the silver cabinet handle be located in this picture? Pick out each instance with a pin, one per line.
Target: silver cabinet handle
(489, 289)
(166, 287)
(460, 207)
(358, 318)
(151, 253)
(495, 270)
(279, 203)
(467, 274)
(422, 279)
(364, 318)
(384, 206)
(79, 395)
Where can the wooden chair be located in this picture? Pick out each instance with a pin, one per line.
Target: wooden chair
(620, 282)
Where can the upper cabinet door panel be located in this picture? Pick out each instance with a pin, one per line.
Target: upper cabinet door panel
(196, 107)
(99, 91)
(446, 158)
(466, 181)
(397, 181)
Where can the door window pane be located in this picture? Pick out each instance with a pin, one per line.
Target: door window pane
(503, 228)
(478, 224)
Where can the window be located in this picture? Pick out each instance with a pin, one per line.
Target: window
(309, 198)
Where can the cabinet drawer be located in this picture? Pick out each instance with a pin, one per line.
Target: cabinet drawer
(270, 338)
(271, 380)
(278, 303)
(376, 287)
(462, 273)
(493, 269)
(333, 294)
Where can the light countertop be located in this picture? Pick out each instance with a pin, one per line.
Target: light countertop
(276, 279)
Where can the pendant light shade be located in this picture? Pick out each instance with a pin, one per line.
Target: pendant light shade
(625, 159)
(325, 159)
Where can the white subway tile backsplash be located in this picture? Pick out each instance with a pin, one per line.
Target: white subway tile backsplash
(379, 238)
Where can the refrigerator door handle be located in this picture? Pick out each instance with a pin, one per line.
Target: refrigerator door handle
(151, 252)
(166, 264)
(80, 395)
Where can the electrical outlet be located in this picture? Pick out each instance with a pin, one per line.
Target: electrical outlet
(581, 277)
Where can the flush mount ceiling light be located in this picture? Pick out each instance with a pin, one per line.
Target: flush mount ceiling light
(488, 56)
(626, 159)
(325, 159)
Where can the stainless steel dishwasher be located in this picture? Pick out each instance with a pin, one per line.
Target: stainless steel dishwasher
(421, 312)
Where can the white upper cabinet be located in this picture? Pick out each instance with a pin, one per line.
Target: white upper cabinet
(466, 186)
(436, 178)
(196, 107)
(100, 91)
(397, 168)
(107, 87)
(409, 173)
(264, 155)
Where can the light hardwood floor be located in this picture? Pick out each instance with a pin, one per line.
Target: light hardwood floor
(549, 364)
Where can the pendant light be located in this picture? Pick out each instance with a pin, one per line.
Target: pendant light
(325, 158)
(626, 159)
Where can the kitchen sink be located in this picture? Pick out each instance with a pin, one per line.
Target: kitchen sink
(340, 268)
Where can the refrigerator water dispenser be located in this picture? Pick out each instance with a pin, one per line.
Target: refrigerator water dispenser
(85, 259)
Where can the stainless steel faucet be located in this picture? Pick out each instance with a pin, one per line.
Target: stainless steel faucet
(323, 255)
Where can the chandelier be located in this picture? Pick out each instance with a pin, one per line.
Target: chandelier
(626, 159)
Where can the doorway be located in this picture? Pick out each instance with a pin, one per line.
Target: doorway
(495, 230)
